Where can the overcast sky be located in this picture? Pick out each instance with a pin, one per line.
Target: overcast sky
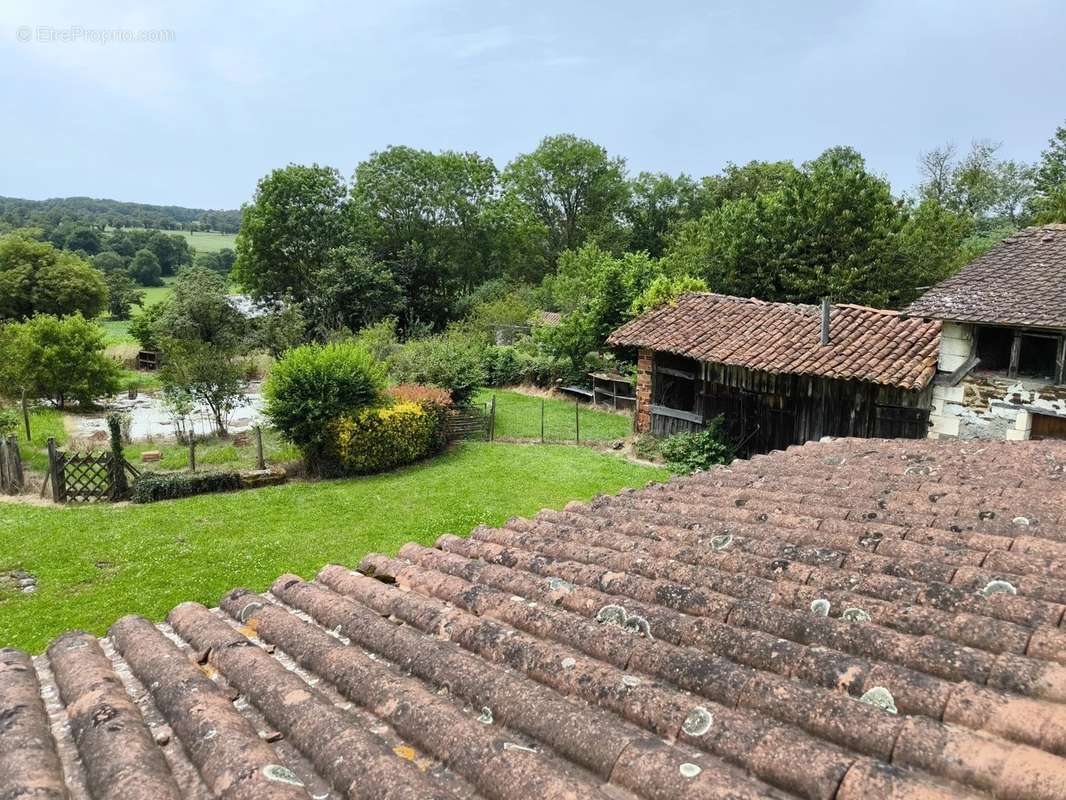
(239, 88)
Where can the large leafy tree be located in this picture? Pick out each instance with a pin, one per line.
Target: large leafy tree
(295, 219)
(830, 228)
(576, 190)
(427, 216)
(992, 191)
(356, 291)
(199, 310)
(1049, 204)
(37, 278)
(145, 268)
(658, 203)
(201, 333)
(59, 359)
(123, 292)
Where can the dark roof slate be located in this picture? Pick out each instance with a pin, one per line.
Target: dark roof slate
(865, 344)
(1021, 281)
(847, 619)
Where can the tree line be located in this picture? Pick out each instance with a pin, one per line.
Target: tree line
(68, 213)
(422, 236)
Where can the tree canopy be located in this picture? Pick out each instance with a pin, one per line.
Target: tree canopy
(36, 278)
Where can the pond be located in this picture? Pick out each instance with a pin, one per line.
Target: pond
(151, 421)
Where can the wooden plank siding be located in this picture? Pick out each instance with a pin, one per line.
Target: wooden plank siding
(768, 411)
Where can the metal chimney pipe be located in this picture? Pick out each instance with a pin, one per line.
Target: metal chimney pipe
(825, 321)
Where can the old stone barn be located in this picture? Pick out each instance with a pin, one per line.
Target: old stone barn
(1003, 354)
(781, 373)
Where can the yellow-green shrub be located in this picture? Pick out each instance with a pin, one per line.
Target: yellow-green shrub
(379, 439)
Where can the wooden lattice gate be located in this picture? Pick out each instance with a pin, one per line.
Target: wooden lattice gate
(85, 477)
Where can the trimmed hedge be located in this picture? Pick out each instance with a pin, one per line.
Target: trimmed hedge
(153, 486)
(380, 439)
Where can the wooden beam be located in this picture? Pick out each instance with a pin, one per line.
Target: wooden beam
(1015, 354)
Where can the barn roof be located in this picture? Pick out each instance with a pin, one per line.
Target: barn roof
(1021, 281)
(849, 619)
(866, 344)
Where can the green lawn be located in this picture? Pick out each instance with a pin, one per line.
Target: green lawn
(518, 417)
(95, 564)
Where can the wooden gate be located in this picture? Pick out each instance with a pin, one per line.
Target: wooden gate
(11, 478)
(85, 477)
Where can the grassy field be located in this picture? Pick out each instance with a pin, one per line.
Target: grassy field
(95, 564)
(206, 242)
(118, 331)
(518, 417)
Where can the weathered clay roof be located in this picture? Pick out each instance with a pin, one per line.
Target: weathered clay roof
(1021, 281)
(852, 619)
(865, 344)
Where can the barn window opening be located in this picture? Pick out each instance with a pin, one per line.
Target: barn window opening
(994, 348)
(675, 384)
(1037, 357)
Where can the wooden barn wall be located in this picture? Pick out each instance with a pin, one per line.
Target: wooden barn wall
(765, 411)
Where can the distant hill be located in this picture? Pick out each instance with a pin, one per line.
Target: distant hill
(16, 212)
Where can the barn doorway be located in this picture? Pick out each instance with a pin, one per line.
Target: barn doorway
(1046, 426)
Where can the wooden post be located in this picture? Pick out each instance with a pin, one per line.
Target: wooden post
(54, 468)
(577, 421)
(259, 462)
(542, 420)
(192, 453)
(492, 420)
(26, 417)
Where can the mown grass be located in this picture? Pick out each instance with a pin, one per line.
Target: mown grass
(518, 417)
(96, 564)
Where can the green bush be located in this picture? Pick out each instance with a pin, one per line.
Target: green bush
(505, 366)
(450, 361)
(311, 386)
(690, 452)
(153, 486)
(379, 439)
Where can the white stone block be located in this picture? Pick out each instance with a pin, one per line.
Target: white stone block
(946, 426)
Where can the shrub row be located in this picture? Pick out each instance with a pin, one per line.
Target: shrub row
(153, 486)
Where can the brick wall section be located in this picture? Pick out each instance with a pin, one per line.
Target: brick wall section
(644, 362)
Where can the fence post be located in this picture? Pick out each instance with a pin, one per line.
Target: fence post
(492, 420)
(192, 453)
(542, 420)
(54, 470)
(26, 416)
(260, 463)
(11, 466)
(577, 422)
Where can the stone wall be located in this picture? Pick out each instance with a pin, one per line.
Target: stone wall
(985, 406)
(643, 416)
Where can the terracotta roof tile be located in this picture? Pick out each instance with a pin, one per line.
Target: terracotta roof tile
(866, 344)
(847, 619)
(1021, 281)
